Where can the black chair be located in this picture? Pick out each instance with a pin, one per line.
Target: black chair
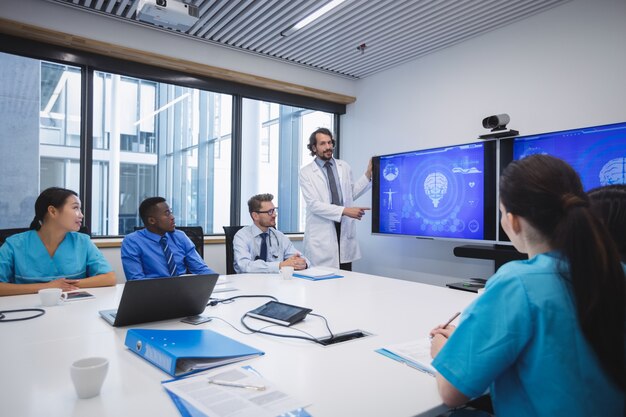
(5, 233)
(229, 233)
(194, 233)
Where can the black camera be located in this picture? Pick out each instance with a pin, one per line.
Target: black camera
(162, 3)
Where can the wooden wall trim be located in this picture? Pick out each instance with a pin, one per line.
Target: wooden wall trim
(23, 30)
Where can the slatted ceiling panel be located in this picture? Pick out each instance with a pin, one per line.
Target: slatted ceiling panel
(255, 11)
(395, 31)
(328, 40)
(257, 22)
(217, 18)
(252, 22)
(205, 12)
(428, 28)
(326, 48)
(292, 13)
(121, 7)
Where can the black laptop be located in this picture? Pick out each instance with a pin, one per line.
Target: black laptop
(155, 299)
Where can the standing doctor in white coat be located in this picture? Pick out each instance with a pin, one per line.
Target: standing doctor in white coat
(329, 193)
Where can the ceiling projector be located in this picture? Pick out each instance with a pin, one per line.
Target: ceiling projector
(172, 14)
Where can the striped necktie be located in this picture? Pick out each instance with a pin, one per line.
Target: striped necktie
(169, 257)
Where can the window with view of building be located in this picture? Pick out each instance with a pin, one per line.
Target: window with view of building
(147, 138)
(274, 139)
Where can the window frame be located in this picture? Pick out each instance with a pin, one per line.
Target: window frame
(90, 62)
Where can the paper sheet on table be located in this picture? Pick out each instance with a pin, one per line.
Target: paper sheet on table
(224, 284)
(223, 401)
(415, 353)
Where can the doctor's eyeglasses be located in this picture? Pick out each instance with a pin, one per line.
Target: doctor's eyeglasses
(270, 211)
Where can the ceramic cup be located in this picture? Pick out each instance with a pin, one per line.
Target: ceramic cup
(286, 272)
(88, 375)
(52, 296)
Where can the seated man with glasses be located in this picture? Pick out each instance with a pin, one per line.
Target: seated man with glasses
(159, 250)
(259, 247)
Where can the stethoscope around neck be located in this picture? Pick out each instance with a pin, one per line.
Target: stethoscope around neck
(272, 253)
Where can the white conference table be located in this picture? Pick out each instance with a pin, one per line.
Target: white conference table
(346, 379)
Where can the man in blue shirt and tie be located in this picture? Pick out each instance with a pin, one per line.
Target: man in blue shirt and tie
(159, 250)
(259, 247)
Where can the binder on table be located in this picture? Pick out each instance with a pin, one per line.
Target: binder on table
(182, 352)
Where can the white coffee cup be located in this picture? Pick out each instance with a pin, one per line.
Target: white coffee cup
(52, 296)
(286, 272)
(88, 375)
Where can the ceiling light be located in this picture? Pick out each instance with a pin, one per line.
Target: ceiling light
(312, 17)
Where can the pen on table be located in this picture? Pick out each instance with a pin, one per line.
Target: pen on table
(451, 319)
(236, 384)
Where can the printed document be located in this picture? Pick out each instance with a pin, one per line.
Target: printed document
(238, 392)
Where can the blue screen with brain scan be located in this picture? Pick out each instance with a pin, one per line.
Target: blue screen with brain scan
(598, 153)
(433, 193)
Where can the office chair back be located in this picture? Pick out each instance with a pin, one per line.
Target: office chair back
(194, 233)
(6, 233)
(229, 233)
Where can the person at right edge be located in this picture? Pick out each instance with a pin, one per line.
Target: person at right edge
(329, 191)
(548, 334)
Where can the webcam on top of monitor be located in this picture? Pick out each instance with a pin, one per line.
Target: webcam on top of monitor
(497, 124)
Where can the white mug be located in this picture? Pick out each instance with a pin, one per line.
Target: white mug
(88, 375)
(286, 272)
(52, 296)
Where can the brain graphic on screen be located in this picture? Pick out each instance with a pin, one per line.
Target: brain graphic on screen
(436, 186)
(613, 172)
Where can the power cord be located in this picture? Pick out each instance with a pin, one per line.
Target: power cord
(216, 301)
(39, 312)
(310, 337)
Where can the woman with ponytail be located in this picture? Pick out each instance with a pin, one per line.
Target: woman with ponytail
(52, 254)
(548, 334)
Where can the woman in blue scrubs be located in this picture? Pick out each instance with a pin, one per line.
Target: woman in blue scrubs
(53, 254)
(547, 337)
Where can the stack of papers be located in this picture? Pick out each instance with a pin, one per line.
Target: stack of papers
(240, 392)
(415, 354)
(317, 273)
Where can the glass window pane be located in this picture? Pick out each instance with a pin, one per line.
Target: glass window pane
(40, 111)
(164, 140)
(274, 139)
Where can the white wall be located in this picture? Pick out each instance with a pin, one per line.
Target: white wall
(98, 27)
(560, 69)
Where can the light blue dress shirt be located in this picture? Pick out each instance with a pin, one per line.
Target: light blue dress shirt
(142, 255)
(25, 260)
(522, 339)
(247, 246)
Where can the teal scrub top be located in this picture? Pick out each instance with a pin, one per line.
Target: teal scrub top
(521, 339)
(25, 260)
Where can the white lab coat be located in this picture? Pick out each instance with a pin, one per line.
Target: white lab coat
(320, 235)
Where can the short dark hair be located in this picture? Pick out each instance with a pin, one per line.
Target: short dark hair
(254, 204)
(53, 196)
(313, 139)
(609, 203)
(147, 206)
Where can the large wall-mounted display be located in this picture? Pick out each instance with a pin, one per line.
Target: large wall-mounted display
(437, 193)
(597, 153)
(451, 192)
